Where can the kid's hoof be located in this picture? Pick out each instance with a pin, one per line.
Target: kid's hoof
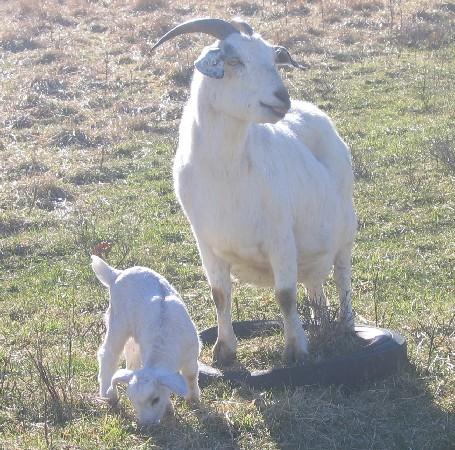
(111, 397)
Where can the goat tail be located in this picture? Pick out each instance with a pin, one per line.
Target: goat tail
(104, 272)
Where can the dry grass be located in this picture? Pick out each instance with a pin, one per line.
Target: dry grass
(88, 122)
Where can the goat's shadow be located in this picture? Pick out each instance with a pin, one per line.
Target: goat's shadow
(394, 413)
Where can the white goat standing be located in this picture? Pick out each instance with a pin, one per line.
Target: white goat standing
(147, 319)
(265, 184)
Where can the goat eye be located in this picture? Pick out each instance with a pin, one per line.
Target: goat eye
(154, 401)
(234, 61)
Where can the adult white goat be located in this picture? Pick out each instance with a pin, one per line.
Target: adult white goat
(265, 184)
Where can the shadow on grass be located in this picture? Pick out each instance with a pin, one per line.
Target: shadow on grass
(395, 413)
(190, 426)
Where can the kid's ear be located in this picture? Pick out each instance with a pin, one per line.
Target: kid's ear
(175, 382)
(211, 63)
(121, 376)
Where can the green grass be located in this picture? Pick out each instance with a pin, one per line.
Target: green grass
(86, 157)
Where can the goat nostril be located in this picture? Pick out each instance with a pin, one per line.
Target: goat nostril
(283, 95)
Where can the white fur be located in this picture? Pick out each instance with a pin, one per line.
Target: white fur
(148, 321)
(268, 200)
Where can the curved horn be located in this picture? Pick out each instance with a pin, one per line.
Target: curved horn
(214, 27)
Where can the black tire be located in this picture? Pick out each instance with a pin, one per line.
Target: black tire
(383, 354)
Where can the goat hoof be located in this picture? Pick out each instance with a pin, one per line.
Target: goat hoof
(194, 399)
(293, 355)
(222, 354)
(349, 324)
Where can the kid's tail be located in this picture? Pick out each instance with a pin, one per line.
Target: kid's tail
(104, 272)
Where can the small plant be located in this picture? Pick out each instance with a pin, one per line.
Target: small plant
(438, 334)
(328, 335)
(52, 388)
(425, 91)
(443, 150)
(361, 164)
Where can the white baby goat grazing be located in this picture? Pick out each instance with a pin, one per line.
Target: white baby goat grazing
(265, 183)
(147, 319)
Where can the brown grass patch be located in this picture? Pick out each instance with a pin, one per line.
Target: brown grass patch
(46, 192)
(148, 5)
(82, 177)
(68, 137)
(20, 122)
(49, 86)
(18, 44)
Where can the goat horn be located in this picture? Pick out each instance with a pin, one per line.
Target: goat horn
(214, 27)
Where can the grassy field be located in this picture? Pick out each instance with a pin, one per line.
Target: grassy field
(88, 129)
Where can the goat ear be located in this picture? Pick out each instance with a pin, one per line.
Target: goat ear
(121, 376)
(283, 58)
(211, 63)
(175, 382)
(242, 26)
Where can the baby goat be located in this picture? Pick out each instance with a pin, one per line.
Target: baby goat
(266, 183)
(148, 321)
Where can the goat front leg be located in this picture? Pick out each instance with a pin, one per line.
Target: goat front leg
(342, 275)
(108, 356)
(285, 272)
(191, 371)
(219, 277)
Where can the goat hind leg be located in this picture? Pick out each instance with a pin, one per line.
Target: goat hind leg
(342, 274)
(190, 371)
(284, 265)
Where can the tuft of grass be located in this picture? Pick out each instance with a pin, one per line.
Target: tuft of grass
(148, 5)
(443, 150)
(140, 124)
(46, 192)
(247, 9)
(48, 86)
(49, 57)
(18, 44)
(98, 28)
(21, 122)
(366, 6)
(97, 175)
(65, 138)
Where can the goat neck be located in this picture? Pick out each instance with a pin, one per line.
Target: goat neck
(220, 136)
